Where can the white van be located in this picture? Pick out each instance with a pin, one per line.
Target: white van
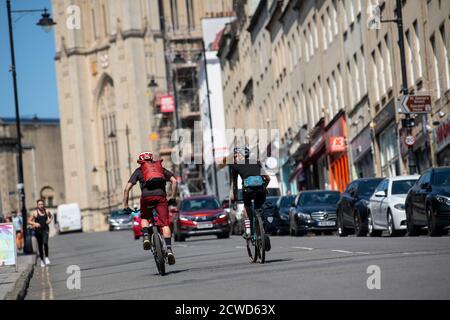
(236, 213)
(68, 218)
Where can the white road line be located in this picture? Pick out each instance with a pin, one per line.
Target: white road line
(303, 248)
(342, 251)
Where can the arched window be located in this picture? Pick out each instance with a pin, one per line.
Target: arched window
(48, 195)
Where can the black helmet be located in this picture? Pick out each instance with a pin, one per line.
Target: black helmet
(243, 151)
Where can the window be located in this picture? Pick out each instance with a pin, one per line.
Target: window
(94, 27)
(376, 83)
(436, 66)
(324, 34)
(363, 72)
(387, 50)
(417, 50)
(410, 56)
(445, 57)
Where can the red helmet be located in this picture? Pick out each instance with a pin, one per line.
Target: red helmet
(146, 155)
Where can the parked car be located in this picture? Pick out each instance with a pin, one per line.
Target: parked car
(200, 215)
(119, 220)
(428, 203)
(387, 206)
(283, 205)
(137, 229)
(313, 211)
(353, 205)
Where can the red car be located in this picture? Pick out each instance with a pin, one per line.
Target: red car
(137, 229)
(198, 216)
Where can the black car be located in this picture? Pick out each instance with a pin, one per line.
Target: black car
(428, 203)
(313, 211)
(283, 206)
(352, 207)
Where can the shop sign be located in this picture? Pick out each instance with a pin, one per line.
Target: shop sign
(336, 144)
(167, 104)
(442, 135)
(316, 145)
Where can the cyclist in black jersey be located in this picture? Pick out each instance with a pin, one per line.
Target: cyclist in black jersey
(254, 186)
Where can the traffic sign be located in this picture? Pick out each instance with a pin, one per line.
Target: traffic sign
(410, 140)
(414, 104)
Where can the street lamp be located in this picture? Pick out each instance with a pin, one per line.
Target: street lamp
(46, 22)
(113, 135)
(108, 192)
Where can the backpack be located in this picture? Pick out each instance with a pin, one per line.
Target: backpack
(153, 174)
(253, 181)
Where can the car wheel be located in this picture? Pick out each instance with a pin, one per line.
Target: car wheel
(372, 232)
(391, 226)
(433, 229)
(342, 232)
(359, 231)
(412, 229)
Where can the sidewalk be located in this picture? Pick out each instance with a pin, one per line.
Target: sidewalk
(13, 285)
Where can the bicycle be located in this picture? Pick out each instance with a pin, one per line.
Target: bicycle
(158, 245)
(256, 245)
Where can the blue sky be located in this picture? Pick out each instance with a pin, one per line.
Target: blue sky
(35, 50)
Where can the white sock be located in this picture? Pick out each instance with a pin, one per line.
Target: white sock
(247, 226)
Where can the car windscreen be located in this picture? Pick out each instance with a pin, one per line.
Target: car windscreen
(319, 198)
(402, 187)
(199, 204)
(286, 201)
(272, 200)
(118, 214)
(366, 188)
(273, 192)
(441, 177)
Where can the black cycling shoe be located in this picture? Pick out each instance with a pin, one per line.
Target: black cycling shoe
(267, 244)
(147, 244)
(170, 257)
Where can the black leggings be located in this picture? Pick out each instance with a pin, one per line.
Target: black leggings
(42, 239)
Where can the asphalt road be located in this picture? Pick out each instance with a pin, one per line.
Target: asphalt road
(114, 266)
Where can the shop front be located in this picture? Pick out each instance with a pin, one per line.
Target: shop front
(387, 139)
(442, 139)
(336, 147)
(315, 168)
(362, 157)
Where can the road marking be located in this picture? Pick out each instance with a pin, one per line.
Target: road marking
(342, 251)
(303, 248)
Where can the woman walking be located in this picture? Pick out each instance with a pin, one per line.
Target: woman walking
(39, 220)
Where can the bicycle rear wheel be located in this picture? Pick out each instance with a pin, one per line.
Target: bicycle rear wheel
(158, 252)
(260, 244)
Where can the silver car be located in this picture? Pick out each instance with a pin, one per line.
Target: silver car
(118, 220)
(387, 206)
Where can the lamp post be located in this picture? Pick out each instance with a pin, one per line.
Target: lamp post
(113, 135)
(46, 22)
(205, 66)
(401, 44)
(108, 192)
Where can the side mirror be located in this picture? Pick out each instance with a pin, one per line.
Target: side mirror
(380, 194)
(425, 186)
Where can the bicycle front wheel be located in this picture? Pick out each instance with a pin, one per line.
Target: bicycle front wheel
(260, 239)
(158, 254)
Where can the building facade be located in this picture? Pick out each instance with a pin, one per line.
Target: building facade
(319, 72)
(42, 164)
(108, 111)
